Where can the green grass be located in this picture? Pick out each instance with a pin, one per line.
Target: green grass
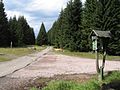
(67, 85)
(3, 59)
(92, 84)
(33, 88)
(11, 53)
(112, 77)
(86, 55)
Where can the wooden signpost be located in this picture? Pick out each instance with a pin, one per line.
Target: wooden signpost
(101, 37)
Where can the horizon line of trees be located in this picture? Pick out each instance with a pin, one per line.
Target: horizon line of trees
(14, 30)
(17, 31)
(72, 28)
(21, 33)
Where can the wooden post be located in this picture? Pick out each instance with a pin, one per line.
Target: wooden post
(104, 44)
(103, 37)
(101, 74)
(11, 44)
(97, 62)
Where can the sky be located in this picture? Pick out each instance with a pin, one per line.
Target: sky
(36, 11)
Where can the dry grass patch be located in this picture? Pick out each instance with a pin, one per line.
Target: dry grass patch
(7, 54)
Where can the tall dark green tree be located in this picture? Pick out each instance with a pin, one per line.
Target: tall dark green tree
(67, 29)
(13, 29)
(4, 32)
(107, 19)
(89, 14)
(75, 19)
(60, 30)
(42, 36)
(20, 32)
(88, 22)
(51, 34)
(31, 36)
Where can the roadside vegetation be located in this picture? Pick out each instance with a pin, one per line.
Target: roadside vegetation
(92, 84)
(90, 55)
(7, 54)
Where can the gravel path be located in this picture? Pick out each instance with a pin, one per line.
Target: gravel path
(53, 64)
(48, 65)
(16, 64)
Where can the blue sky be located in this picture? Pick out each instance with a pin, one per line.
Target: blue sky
(36, 11)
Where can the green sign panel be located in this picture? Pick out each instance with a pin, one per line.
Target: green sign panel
(94, 44)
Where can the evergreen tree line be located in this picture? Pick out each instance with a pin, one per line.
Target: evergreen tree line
(21, 33)
(42, 38)
(72, 28)
(14, 30)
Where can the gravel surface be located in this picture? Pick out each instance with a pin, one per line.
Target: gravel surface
(53, 64)
(16, 64)
(49, 65)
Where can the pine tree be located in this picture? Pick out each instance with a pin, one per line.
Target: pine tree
(31, 36)
(89, 14)
(74, 19)
(42, 36)
(66, 31)
(51, 34)
(4, 32)
(13, 29)
(107, 19)
(24, 32)
(88, 22)
(20, 32)
(60, 31)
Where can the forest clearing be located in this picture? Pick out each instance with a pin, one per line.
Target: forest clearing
(60, 45)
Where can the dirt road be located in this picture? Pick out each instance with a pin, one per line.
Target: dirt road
(51, 64)
(16, 64)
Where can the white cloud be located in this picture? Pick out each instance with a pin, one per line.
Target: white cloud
(36, 11)
(46, 5)
(13, 13)
(17, 14)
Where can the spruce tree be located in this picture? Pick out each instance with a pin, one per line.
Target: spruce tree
(107, 19)
(88, 22)
(13, 29)
(59, 38)
(89, 14)
(31, 36)
(69, 19)
(42, 36)
(66, 31)
(75, 18)
(51, 34)
(4, 32)
(20, 32)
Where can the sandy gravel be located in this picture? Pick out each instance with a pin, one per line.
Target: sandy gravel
(21, 62)
(51, 64)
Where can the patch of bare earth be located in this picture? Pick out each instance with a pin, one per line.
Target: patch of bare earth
(42, 82)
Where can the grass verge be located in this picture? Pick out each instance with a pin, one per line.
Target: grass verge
(3, 59)
(92, 84)
(7, 54)
(86, 55)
